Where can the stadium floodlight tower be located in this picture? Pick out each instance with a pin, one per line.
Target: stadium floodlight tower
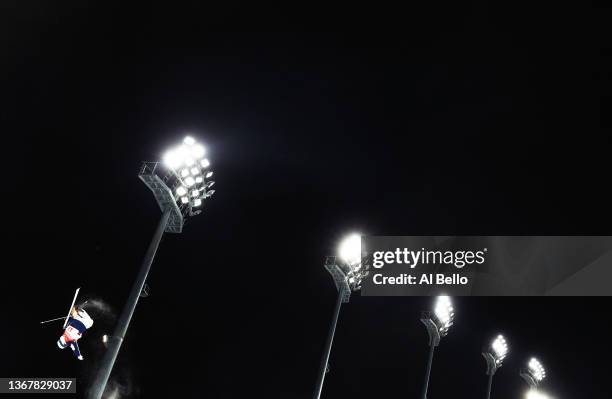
(495, 355)
(180, 187)
(348, 273)
(534, 373)
(437, 324)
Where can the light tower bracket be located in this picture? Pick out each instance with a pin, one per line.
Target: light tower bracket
(163, 196)
(492, 364)
(529, 379)
(339, 277)
(432, 328)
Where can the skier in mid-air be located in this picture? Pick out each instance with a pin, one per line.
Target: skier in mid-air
(78, 322)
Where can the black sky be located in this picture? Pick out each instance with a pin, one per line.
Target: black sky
(441, 118)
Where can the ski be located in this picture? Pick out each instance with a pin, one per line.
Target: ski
(71, 306)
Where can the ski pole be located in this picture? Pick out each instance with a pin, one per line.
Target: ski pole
(48, 321)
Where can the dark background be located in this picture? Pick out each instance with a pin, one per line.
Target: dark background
(445, 118)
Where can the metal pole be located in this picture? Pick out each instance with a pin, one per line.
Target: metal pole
(49, 321)
(328, 345)
(115, 341)
(429, 361)
(489, 386)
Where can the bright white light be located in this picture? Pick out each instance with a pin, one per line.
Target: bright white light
(181, 191)
(177, 156)
(185, 154)
(199, 179)
(172, 159)
(185, 172)
(105, 338)
(536, 369)
(189, 181)
(209, 174)
(350, 249)
(197, 202)
(195, 171)
(195, 193)
(500, 347)
(210, 184)
(182, 151)
(205, 163)
(184, 200)
(533, 394)
(198, 151)
(444, 312)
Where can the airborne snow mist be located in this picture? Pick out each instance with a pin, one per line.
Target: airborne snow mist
(119, 388)
(101, 308)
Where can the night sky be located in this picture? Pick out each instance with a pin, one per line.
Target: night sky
(440, 118)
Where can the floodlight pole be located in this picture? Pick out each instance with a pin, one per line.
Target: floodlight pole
(328, 345)
(115, 341)
(489, 385)
(428, 371)
(492, 367)
(344, 295)
(434, 340)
